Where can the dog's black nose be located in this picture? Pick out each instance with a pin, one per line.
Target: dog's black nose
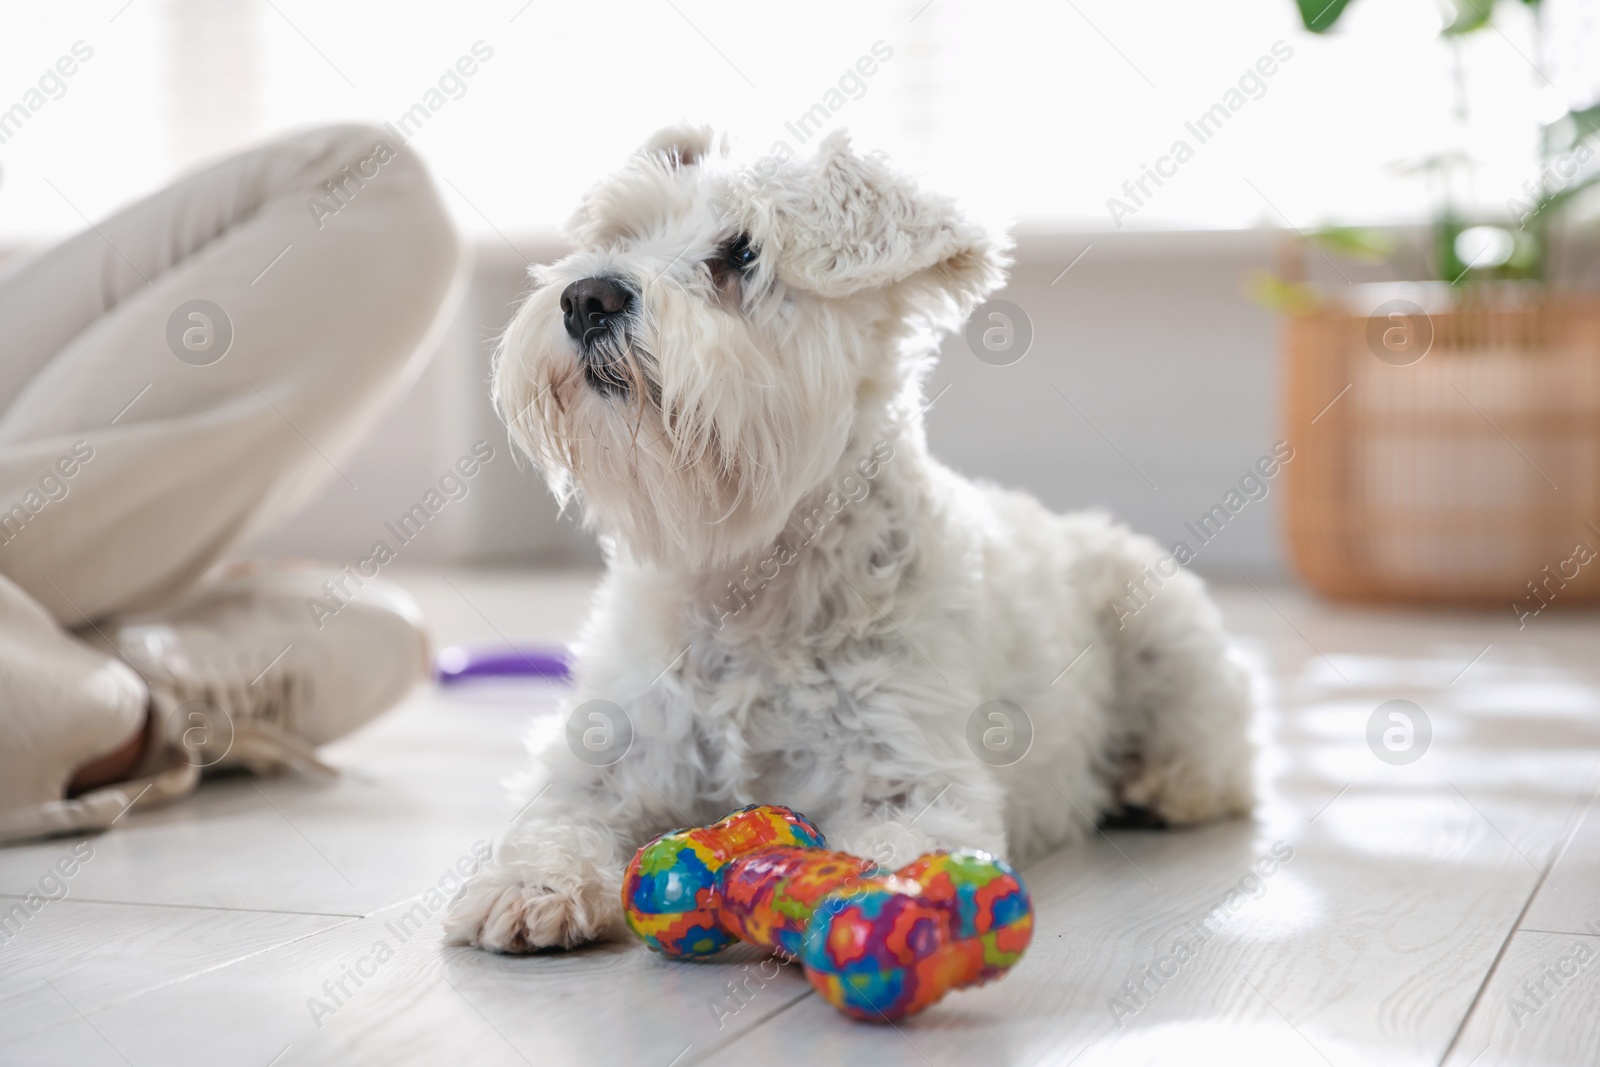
(592, 302)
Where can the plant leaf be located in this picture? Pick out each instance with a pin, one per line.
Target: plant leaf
(1273, 293)
(1584, 123)
(1363, 244)
(1469, 16)
(1320, 15)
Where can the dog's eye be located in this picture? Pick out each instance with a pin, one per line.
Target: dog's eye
(732, 262)
(739, 253)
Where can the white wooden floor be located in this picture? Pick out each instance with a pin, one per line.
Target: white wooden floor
(1418, 901)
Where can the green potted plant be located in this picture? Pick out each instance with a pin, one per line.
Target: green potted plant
(1447, 429)
(1521, 244)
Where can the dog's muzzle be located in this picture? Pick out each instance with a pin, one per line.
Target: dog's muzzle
(594, 311)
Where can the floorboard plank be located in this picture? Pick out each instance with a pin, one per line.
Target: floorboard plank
(1541, 1007)
(424, 1002)
(1569, 901)
(71, 956)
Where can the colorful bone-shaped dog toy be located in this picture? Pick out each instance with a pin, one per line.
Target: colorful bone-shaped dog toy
(876, 944)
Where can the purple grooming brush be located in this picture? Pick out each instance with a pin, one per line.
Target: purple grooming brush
(461, 663)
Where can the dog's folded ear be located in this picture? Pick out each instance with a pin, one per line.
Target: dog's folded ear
(845, 222)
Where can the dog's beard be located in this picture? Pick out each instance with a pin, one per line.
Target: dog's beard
(678, 464)
(688, 436)
(619, 368)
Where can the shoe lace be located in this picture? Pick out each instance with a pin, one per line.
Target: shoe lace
(258, 713)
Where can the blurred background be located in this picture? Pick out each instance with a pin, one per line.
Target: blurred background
(1392, 140)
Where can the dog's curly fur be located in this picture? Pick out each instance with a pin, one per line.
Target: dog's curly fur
(802, 606)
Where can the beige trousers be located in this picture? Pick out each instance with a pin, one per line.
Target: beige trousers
(182, 375)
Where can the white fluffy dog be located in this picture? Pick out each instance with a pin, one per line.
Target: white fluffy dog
(802, 606)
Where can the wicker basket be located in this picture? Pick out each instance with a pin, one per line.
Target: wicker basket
(1447, 452)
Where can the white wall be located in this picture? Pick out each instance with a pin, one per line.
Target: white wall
(1173, 374)
(1148, 335)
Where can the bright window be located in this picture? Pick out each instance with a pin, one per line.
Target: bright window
(1036, 111)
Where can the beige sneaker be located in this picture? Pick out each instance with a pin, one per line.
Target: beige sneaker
(255, 669)
(258, 669)
(62, 704)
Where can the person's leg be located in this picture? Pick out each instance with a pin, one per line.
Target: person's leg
(138, 443)
(323, 315)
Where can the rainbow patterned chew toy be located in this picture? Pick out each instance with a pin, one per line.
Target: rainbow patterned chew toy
(876, 944)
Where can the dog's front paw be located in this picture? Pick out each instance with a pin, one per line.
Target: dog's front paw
(522, 907)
